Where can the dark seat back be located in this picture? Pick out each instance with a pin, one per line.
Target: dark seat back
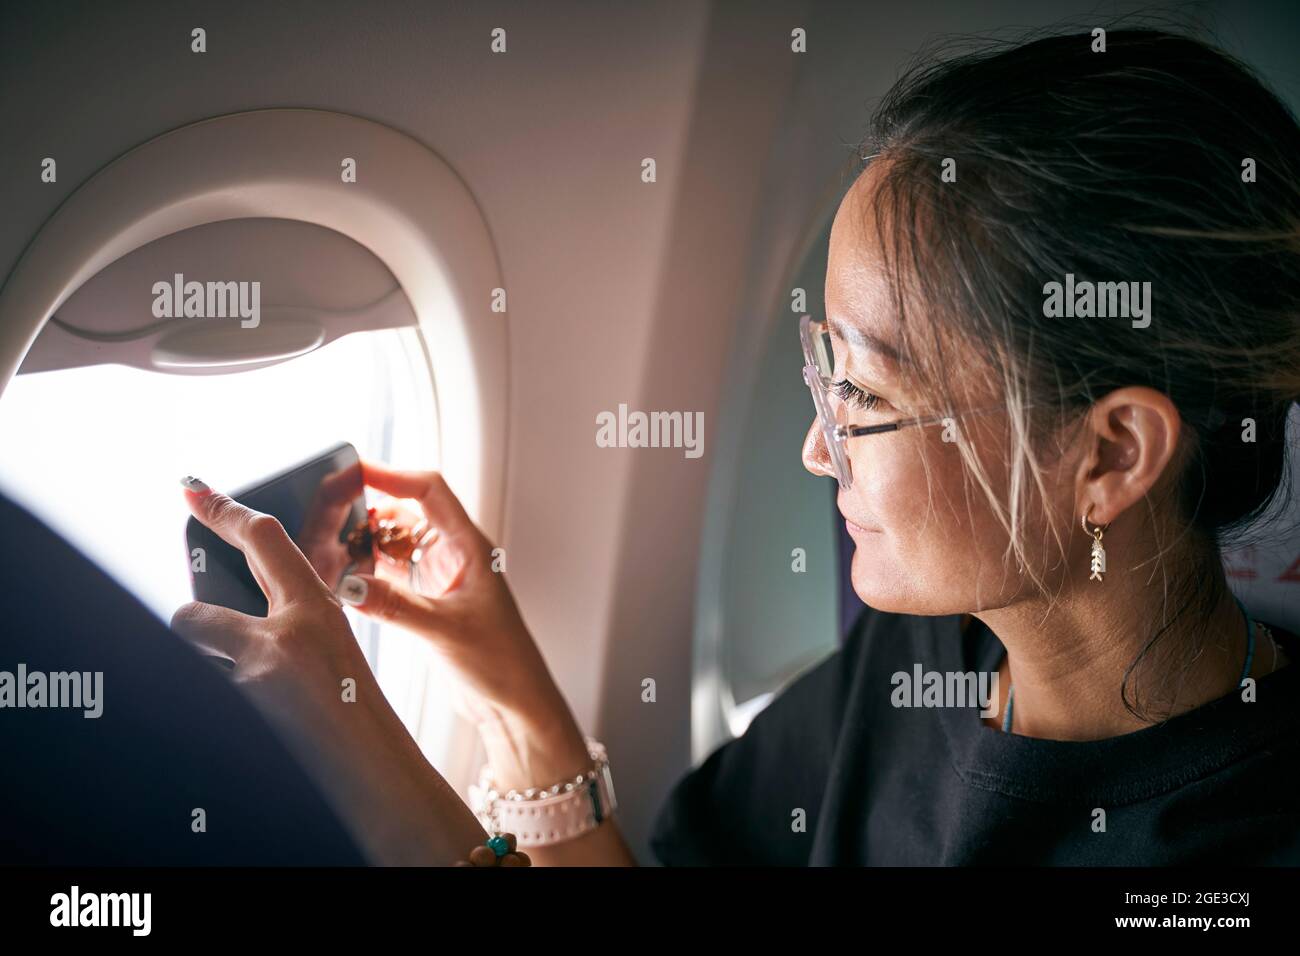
(175, 735)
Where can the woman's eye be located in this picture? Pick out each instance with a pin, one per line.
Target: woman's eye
(855, 396)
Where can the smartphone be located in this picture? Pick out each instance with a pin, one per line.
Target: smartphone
(321, 503)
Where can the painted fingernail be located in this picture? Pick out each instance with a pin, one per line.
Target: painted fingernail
(190, 483)
(353, 590)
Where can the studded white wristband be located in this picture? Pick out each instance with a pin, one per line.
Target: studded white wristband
(544, 816)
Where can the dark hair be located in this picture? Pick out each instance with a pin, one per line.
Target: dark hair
(1122, 165)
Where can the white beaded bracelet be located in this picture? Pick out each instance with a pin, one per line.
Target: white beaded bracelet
(544, 816)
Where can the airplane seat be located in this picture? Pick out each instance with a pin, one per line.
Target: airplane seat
(1263, 561)
(173, 736)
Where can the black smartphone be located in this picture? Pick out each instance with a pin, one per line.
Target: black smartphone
(321, 503)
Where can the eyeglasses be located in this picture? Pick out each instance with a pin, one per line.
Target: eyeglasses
(839, 419)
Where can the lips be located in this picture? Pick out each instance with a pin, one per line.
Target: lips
(858, 529)
(853, 526)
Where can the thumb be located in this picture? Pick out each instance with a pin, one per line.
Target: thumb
(388, 601)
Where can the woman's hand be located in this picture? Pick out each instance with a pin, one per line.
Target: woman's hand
(302, 667)
(331, 507)
(466, 611)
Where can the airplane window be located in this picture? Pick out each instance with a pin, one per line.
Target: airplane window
(779, 619)
(98, 451)
(779, 592)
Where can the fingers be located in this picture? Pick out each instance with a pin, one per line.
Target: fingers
(388, 601)
(341, 487)
(328, 519)
(440, 504)
(282, 571)
(214, 628)
(332, 501)
(397, 509)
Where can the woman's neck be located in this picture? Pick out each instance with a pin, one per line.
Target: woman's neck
(1069, 663)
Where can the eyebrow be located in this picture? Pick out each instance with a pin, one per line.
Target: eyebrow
(864, 340)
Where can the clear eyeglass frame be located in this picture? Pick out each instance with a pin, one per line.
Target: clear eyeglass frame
(832, 413)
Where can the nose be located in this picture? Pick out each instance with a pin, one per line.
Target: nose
(815, 456)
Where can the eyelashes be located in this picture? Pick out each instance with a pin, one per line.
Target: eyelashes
(855, 396)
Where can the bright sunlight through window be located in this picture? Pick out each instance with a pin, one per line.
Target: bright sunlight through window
(98, 452)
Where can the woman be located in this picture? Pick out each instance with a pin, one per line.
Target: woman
(1069, 275)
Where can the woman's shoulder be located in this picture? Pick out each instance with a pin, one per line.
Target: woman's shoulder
(722, 811)
(808, 712)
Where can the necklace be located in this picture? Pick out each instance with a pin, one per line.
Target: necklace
(1272, 643)
(1245, 671)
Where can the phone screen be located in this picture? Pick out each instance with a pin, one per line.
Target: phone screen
(321, 503)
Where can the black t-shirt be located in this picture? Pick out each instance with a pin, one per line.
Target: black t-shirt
(886, 785)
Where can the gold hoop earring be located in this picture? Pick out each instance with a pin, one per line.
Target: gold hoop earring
(1097, 562)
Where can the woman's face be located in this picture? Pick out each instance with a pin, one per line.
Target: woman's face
(927, 542)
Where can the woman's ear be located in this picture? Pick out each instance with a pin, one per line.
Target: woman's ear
(1131, 436)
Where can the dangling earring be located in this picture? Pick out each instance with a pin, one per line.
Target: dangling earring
(1098, 562)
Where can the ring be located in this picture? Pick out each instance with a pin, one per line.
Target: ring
(418, 553)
